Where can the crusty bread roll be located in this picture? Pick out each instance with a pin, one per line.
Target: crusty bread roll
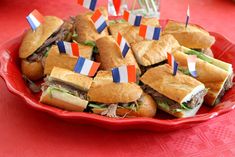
(34, 39)
(121, 28)
(179, 88)
(32, 70)
(110, 54)
(85, 28)
(149, 52)
(71, 78)
(63, 100)
(147, 109)
(54, 58)
(104, 90)
(210, 75)
(191, 37)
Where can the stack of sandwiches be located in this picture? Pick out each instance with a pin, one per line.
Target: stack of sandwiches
(179, 95)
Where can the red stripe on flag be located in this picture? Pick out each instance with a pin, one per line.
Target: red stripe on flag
(126, 15)
(80, 2)
(38, 16)
(96, 15)
(75, 49)
(169, 58)
(119, 38)
(131, 71)
(143, 30)
(94, 68)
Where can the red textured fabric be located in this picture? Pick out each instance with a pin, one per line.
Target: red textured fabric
(25, 132)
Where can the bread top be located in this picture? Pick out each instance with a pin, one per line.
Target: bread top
(34, 39)
(119, 28)
(192, 37)
(85, 27)
(110, 54)
(179, 88)
(104, 90)
(213, 77)
(149, 52)
(152, 21)
(71, 78)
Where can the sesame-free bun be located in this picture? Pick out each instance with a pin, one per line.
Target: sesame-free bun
(32, 70)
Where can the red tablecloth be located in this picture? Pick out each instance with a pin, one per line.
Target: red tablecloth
(25, 132)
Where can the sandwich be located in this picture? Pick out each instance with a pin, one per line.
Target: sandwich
(85, 29)
(119, 99)
(131, 33)
(151, 52)
(179, 95)
(216, 79)
(36, 44)
(193, 37)
(66, 89)
(57, 59)
(110, 54)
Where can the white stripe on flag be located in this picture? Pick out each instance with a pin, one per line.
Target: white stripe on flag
(99, 22)
(87, 3)
(122, 44)
(149, 33)
(68, 48)
(131, 19)
(86, 67)
(123, 74)
(191, 66)
(35, 21)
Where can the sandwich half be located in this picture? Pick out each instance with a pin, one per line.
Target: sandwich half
(66, 89)
(180, 95)
(35, 45)
(119, 99)
(216, 79)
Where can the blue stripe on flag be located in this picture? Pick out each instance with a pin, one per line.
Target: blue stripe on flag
(137, 20)
(93, 4)
(79, 65)
(31, 23)
(156, 34)
(175, 68)
(116, 75)
(102, 27)
(193, 73)
(187, 20)
(61, 47)
(125, 50)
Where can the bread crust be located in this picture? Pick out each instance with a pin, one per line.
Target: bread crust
(148, 109)
(110, 54)
(54, 58)
(149, 52)
(176, 88)
(63, 100)
(34, 39)
(104, 90)
(213, 77)
(191, 37)
(32, 70)
(121, 28)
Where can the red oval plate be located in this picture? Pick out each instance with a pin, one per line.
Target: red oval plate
(223, 49)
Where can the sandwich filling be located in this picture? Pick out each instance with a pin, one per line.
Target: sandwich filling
(63, 87)
(63, 33)
(173, 106)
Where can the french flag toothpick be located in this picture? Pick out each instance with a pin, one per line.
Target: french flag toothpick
(71, 49)
(149, 32)
(132, 19)
(124, 47)
(99, 21)
(35, 19)
(124, 74)
(86, 67)
(89, 4)
(191, 59)
(187, 18)
(172, 63)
